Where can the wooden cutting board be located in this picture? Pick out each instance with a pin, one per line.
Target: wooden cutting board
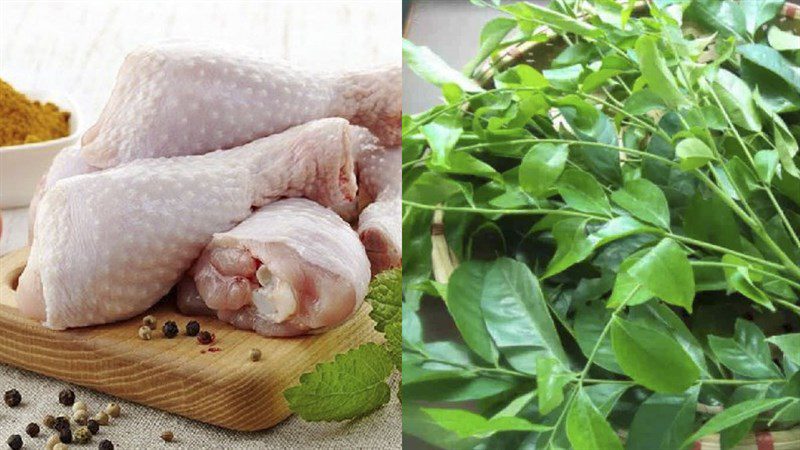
(178, 375)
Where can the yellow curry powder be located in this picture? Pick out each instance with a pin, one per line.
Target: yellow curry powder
(23, 121)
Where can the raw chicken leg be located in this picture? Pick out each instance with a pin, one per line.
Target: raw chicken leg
(293, 267)
(110, 244)
(180, 99)
(380, 224)
(67, 163)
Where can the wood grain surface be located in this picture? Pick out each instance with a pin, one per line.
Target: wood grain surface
(178, 375)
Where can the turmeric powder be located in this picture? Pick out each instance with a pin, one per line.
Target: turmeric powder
(23, 121)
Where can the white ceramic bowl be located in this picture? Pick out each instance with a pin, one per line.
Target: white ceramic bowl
(21, 166)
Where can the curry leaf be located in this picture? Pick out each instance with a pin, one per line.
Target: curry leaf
(652, 358)
(517, 316)
(466, 423)
(663, 421)
(587, 428)
(645, 201)
(747, 353)
(734, 415)
(433, 69)
(666, 272)
(693, 153)
(582, 192)
(656, 72)
(789, 345)
(464, 293)
(541, 167)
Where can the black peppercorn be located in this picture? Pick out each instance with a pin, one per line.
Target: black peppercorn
(65, 435)
(66, 397)
(14, 441)
(93, 426)
(205, 337)
(192, 328)
(105, 444)
(61, 423)
(32, 429)
(12, 398)
(170, 329)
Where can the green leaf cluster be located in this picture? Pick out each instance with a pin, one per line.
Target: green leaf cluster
(621, 221)
(355, 384)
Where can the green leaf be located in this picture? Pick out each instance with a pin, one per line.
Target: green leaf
(737, 99)
(394, 345)
(521, 75)
(663, 421)
(666, 272)
(442, 135)
(492, 35)
(781, 40)
(591, 318)
(733, 415)
(747, 353)
(732, 435)
(564, 78)
(739, 280)
(789, 345)
(766, 164)
(628, 289)
(541, 15)
(726, 17)
(541, 167)
(352, 385)
(693, 153)
(468, 424)
(517, 316)
(643, 101)
(581, 191)
(587, 429)
(464, 292)
(428, 66)
(645, 201)
(386, 297)
(551, 377)
(652, 358)
(771, 60)
(759, 12)
(654, 69)
(711, 220)
(573, 245)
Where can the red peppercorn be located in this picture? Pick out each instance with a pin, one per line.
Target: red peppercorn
(205, 337)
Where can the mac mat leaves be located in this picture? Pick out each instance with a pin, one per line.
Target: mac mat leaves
(615, 230)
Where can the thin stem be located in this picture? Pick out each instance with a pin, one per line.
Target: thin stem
(711, 381)
(754, 269)
(553, 141)
(788, 305)
(750, 159)
(588, 366)
(534, 211)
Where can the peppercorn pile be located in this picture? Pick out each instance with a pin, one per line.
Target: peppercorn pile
(78, 428)
(23, 121)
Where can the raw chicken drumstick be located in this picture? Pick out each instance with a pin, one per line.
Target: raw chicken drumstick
(380, 224)
(181, 99)
(293, 267)
(67, 163)
(110, 244)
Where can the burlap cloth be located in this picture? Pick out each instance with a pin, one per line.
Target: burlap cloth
(140, 427)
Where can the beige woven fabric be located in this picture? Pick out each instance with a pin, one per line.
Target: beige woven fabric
(140, 427)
